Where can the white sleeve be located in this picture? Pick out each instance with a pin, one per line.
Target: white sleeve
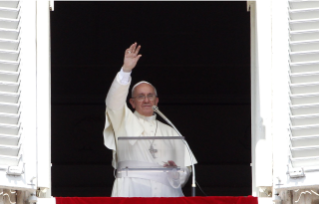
(124, 77)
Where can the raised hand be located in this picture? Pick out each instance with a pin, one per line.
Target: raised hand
(131, 57)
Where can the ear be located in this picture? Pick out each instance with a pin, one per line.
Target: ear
(156, 101)
(132, 103)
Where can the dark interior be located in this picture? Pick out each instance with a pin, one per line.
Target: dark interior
(197, 54)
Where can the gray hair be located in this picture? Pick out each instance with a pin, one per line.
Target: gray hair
(142, 82)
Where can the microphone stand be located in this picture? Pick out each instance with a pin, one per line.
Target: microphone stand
(155, 108)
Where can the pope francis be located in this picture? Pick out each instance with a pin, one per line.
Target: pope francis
(121, 121)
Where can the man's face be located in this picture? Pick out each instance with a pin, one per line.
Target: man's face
(144, 99)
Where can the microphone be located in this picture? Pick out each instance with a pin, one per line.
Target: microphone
(156, 109)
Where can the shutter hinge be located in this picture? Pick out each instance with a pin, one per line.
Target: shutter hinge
(296, 172)
(249, 4)
(51, 4)
(15, 170)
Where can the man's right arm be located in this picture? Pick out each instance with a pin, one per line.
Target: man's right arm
(118, 92)
(124, 78)
(116, 98)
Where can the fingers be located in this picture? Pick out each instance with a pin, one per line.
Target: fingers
(137, 50)
(171, 163)
(133, 49)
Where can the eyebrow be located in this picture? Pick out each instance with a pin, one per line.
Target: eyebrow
(146, 94)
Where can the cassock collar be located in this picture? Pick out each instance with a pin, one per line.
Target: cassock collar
(147, 118)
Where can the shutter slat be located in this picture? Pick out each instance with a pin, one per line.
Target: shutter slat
(9, 55)
(9, 66)
(7, 129)
(10, 13)
(304, 151)
(303, 78)
(305, 120)
(303, 4)
(12, 119)
(299, 88)
(9, 76)
(9, 140)
(298, 99)
(9, 97)
(9, 34)
(9, 4)
(304, 35)
(9, 160)
(304, 25)
(304, 14)
(299, 46)
(305, 161)
(303, 109)
(305, 141)
(297, 57)
(305, 131)
(303, 67)
(9, 87)
(9, 23)
(11, 45)
(6, 150)
(9, 108)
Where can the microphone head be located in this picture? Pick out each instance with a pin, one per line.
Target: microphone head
(155, 108)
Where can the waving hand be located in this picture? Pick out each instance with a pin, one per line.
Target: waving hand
(131, 57)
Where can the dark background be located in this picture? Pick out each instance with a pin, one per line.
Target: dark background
(197, 54)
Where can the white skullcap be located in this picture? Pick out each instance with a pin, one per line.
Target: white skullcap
(142, 82)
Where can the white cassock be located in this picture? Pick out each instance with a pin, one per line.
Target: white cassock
(120, 121)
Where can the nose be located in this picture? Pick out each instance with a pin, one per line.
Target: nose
(146, 100)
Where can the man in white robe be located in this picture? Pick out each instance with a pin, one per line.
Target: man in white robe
(121, 122)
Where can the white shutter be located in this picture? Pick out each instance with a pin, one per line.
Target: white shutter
(25, 105)
(18, 170)
(294, 98)
(304, 84)
(296, 151)
(10, 127)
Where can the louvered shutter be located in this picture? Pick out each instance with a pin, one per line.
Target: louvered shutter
(304, 84)
(294, 98)
(18, 169)
(10, 126)
(296, 142)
